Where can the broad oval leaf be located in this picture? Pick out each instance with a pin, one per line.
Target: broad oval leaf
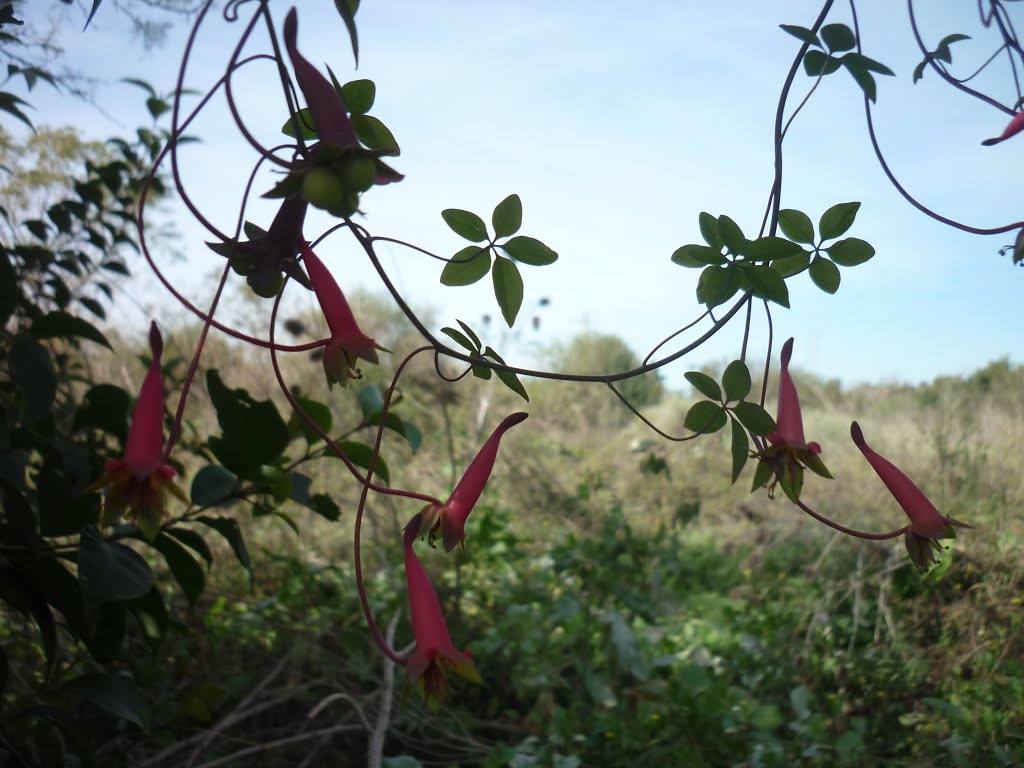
(771, 247)
(529, 250)
(817, 64)
(375, 135)
(736, 380)
(359, 96)
(232, 533)
(768, 284)
(110, 572)
(755, 418)
(838, 37)
(187, 572)
(361, 455)
(467, 266)
(716, 286)
(825, 274)
(212, 485)
(837, 219)
(459, 338)
(801, 33)
(709, 230)
(796, 225)
(508, 288)
(465, 224)
(698, 256)
(793, 264)
(731, 234)
(319, 413)
(850, 252)
(704, 384)
(507, 216)
(705, 417)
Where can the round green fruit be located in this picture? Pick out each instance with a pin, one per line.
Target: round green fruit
(322, 188)
(268, 287)
(358, 172)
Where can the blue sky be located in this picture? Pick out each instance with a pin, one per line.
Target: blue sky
(616, 129)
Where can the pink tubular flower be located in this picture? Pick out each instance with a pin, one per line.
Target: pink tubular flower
(435, 653)
(137, 484)
(325, 104)
(347, 342)
(926, 522)
(789, 452)
(1015, 126)
(450, 518)
(789, 423)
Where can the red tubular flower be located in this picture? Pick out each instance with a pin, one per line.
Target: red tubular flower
(435, 653)
(347, 342)
(325, 104)
(450, 518)
(1015, 126)
(264, 256)
(926, 522)
(137, 484)
(789, 452)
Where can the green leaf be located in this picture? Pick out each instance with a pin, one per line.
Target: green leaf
(110, 572)
(942, 49)
(818, 64)
(371, 401)
(709, 230)
(838, 37)
(769, 248)
(116, 694)
(529, 250)
(837, 219)
(919, 69)
(92, 12)
(508, 378)
(9, 103)
(801, 33)
(413, 436)
(212, 485)
(796, 225)
(193, 541)
(740, 446)
(65, 326)
(232, 533)
(768, 284)
(731, 234)
(863, 78)
(347, 11)
(465, 224)
(361, 455)
(507, 216)
(467, 266)
(460, 339)
(306, 126)
(32, 371)
(698, 256)
(716, 286)
(868, 64)
(762, 474)
(186, 571)
(324, 506)
(791, 480)
(318, 413)
(825, 274)
(705, 417)
(275, 481)
(816, 465)
(508, 288)
(754, 418)
(850, 252)
(736, 380)
(375, 135)
(253, 431)
(704, 384)
(359, 96)
(792, 264)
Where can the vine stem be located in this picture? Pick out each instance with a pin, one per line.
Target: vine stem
(851, 531)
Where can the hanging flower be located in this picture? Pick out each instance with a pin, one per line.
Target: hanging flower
(137, 484)
(435, 654)
(784, 460)
(1015, 126)
(347, 343)
(450, 518)
(927, 524)
(330, 117)
(263, 257)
